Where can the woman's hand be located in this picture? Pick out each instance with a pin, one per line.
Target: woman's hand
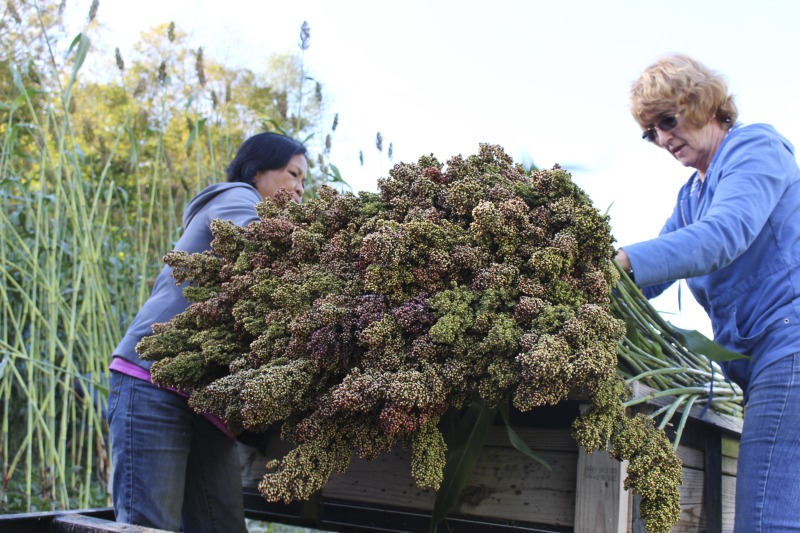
(624, 262)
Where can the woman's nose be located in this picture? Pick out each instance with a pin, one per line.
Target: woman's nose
(662, 137)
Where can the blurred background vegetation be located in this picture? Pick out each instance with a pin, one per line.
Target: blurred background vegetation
(95, 170)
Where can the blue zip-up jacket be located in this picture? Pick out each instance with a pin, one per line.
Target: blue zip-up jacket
(735, 238)
(226, 201)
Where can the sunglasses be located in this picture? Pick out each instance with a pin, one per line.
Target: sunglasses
(664, 124)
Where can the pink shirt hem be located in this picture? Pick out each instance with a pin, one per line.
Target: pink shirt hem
(123, 366)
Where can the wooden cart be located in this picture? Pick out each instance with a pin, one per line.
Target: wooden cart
(510, 492)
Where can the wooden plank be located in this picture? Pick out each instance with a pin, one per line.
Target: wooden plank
(506, 484)
(730, 447)
(713, 483)
(630, 520)
(559, 439)
(40, 522)
(692, 519)
(601, 503)
(691, 457)
(509, 488)
(343, 516)
(729, 466)
(75, 523)
(728, 502)
(637, 524)
(697, 513)
(385, 480)
(691, 490)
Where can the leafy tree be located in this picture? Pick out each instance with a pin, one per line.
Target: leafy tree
(24, 68)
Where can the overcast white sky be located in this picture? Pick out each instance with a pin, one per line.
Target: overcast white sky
(548, 79)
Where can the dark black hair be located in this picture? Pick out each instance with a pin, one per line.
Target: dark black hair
(263, 151)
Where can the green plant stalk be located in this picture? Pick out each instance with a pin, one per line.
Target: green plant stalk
(47, 384)
(5, 386)
(668, 392)
(211, 152)
(197, 150)
(659, 337)
(473, 429)
(640, 369)
(652, 355)
(684, 418)
(676, 370)
(664, 332)
(671, 411)
(36, 423)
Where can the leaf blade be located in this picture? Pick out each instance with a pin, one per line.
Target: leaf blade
(472, 433)
(697, 342)
(517, 442)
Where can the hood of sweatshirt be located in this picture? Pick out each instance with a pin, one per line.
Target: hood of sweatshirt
(206, 195)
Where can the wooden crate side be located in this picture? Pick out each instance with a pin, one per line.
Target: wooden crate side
(506, 485)
(384, 480)
(509, 488)
(730, 446)
(555, 439)
(691, 457)
(729, 466)
(692, 492)
(728, 502)
(76, 523)
(730, 455)
(693, 513)
(601, 502)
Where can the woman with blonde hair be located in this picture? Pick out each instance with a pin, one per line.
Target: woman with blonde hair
(734, 235)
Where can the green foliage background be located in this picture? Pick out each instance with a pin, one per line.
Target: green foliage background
(94, 174)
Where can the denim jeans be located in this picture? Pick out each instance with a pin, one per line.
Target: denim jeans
(171, 467)
(768, 477)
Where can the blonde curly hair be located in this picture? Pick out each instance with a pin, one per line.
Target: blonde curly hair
(680, 83)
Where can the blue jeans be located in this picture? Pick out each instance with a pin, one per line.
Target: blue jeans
(171, 467)
(768, 477)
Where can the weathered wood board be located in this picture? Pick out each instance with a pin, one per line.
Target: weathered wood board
(509, 491)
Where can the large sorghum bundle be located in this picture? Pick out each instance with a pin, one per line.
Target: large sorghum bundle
(355, 321)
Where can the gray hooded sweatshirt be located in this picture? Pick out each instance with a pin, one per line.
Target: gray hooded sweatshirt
(235, 202)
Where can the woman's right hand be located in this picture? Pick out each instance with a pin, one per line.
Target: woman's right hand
(623, 260)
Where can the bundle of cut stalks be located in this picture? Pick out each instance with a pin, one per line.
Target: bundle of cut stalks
(670, 363)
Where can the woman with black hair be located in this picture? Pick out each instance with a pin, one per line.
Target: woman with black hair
(172, 468)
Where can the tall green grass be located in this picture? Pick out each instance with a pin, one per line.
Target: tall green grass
(78, 252)
(57, 311)
(93, 180)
